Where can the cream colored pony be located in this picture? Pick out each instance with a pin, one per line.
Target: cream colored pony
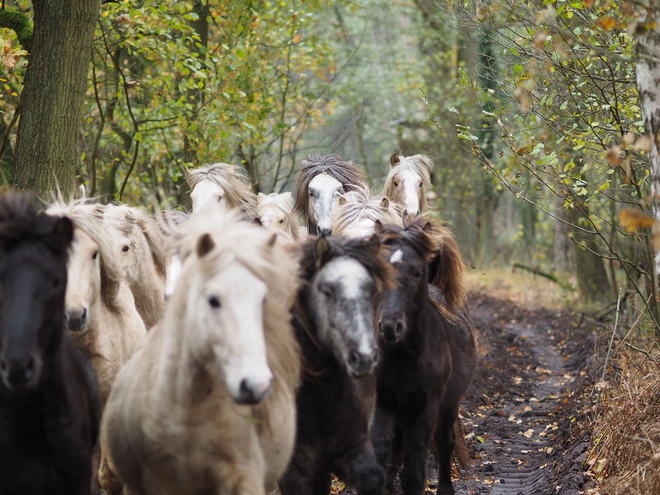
(357, 212)
(136, 240)
(99, 309)
(275, 212)
(408, 183)
(207, 404)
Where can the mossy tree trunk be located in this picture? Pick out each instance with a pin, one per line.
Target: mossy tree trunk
(51, 103)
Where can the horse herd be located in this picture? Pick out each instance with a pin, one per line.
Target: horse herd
(229, 351)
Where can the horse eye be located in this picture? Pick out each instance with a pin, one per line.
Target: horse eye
(281, 221)
(421, 184)
(214, 302)
(96, 253)
(396, 184)
(126, 248)
(219, 198)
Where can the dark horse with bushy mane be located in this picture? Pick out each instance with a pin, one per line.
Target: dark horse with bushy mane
(334, 323)
(428, 357)
(49, 410)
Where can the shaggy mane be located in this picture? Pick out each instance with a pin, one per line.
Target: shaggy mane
(347, 173)
(88, 217)
(361, 204)
(422, 165)
(20, 220)
(231, 179)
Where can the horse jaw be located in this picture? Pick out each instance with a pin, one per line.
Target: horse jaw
(344, 314)
(207, 194)
(324, 192)
(228, 310)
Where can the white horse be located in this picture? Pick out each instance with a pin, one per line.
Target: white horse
(135, 238)
(322, 180)
(275, 213)
(408, 183)
(207, 404)
(358, 211)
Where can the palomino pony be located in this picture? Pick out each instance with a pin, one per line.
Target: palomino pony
(100, 310)
(408, 182)
(221, 185)
(275, 213)
(322, 180)
(207, 404)
(428, 362)
(49, 405)
(135, 238)
(334, 321)
(357, 212)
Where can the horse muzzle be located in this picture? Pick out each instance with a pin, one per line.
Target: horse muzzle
(20, 374)
(391, 331)
(360, 364)
(76, 320)
(252, 392)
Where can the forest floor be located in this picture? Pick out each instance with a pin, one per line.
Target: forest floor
(525, 413)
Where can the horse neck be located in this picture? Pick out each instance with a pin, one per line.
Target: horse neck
(419, 318)
(148, 289)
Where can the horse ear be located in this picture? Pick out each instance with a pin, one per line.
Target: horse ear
(378, 227)
(187, 173)
(385, 204)
(63, 228)
(394, 159)
(287, 194)
(204, 245)
(322, 249)
(372, 243)
(271, 241)
(341, 201)
(428, 227)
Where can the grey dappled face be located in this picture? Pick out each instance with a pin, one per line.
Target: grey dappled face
(324, 191)
(342, 296)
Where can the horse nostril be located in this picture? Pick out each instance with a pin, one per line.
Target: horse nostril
(323, 232)
(354, 358)
(398, 331)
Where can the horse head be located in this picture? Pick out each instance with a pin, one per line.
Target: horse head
(341, 298)
(32, 283)
(407, 183)
(409, 250)
(324, 191)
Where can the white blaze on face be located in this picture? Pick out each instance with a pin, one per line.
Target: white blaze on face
(353, 278)
(231, 313)
(396, 257)
(410, 191)
(206, 194)
(324, 192)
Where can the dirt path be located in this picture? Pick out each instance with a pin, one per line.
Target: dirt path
(520, 410)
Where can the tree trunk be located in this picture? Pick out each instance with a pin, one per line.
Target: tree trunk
(51, 104)
(648, 86)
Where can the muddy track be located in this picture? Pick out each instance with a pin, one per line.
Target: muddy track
(521, 410)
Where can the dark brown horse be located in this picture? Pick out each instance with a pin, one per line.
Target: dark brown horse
(428, 359)
(322, 180)
(49, 410)
(334, 322)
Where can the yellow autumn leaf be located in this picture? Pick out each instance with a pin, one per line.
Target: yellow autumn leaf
(612, 155)
(607, 23)
(631, 220)
(588, 3)
(296, 39)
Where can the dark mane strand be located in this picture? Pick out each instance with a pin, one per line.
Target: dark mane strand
(347, 173)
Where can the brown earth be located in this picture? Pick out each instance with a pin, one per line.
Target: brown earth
(522, 414)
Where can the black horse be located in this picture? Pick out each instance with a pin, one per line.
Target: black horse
(49, 410)
(334, 322)
(428, 359)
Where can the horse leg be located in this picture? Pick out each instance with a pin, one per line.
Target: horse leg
(300, 482)
(413, 476)
(382, 436)
(445, 440)
(321, 483)
(360, 470)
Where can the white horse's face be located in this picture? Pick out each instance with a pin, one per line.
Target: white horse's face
(83, 286)
(343, 309)
(408, 190)
(206, 194)
(228, 309)
(131, 247)
(324, 191)
(361, 229)
(272, 217)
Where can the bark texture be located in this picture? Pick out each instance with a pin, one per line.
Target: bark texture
(51, 103)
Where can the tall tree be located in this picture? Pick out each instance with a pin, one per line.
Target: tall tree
(52, 99)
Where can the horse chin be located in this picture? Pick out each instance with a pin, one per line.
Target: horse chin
(76, 329)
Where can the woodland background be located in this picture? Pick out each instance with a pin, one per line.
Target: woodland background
(529, 109)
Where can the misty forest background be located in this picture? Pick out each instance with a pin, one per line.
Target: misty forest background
(529, 109)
